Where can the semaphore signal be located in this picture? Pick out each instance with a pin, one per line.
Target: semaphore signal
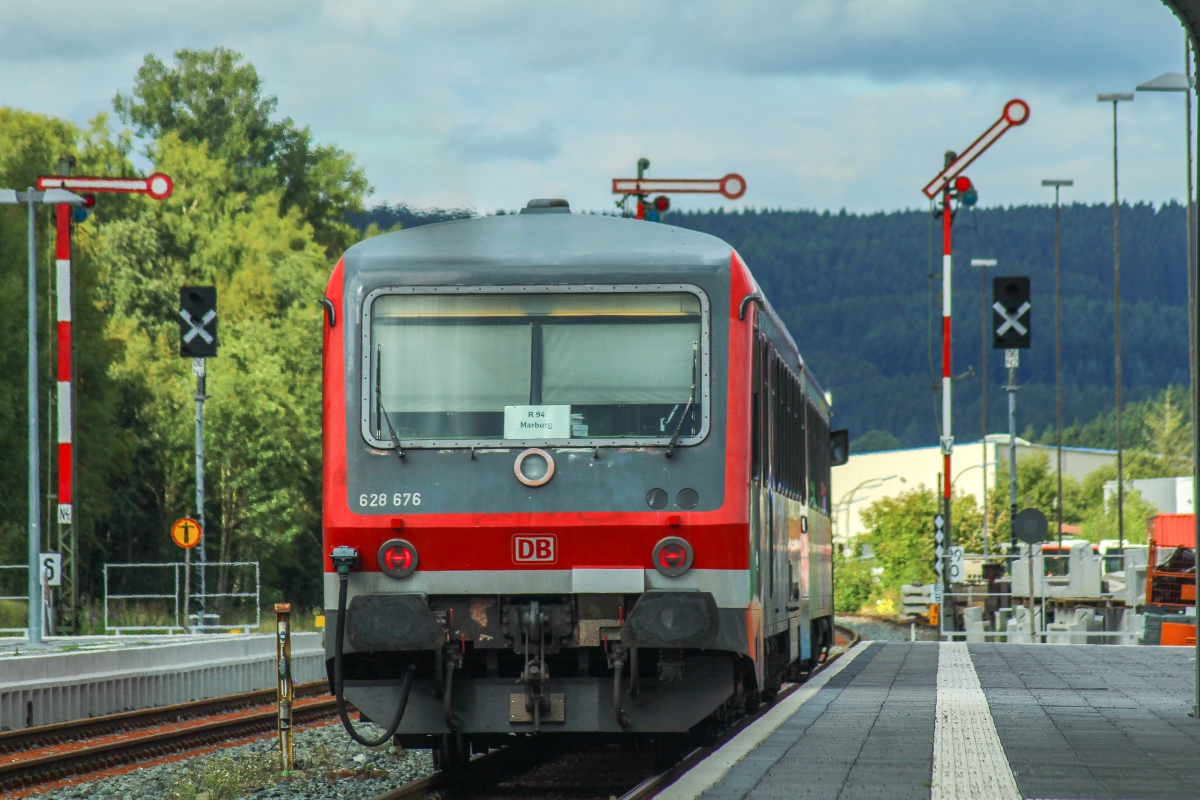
(732, 187)
(952, 185)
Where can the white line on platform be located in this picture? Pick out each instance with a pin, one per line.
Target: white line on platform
(968, 759)
(702, 777)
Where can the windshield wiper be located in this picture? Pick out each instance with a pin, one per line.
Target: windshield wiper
(379, 404)
(691, 402)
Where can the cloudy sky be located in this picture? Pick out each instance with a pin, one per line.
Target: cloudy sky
(823, 104)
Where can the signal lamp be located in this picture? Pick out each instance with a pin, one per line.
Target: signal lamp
(398, 558)
(662, 203)
(962, 183)
(80, 213)
(672, 556)
(969, 198)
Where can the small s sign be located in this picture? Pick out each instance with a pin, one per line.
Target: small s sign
(541, 549)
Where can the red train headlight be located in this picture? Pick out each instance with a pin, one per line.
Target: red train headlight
(397, 558)
(672, 556)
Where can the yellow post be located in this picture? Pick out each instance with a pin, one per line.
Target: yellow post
(283, 658)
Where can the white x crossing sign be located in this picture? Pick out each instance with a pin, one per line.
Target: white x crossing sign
(1011, 320)
(198, 322)
(197, 328)
(1011, 313)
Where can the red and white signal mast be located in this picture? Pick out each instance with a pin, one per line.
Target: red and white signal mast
(732, 186)
(951, 184)
(157, 186)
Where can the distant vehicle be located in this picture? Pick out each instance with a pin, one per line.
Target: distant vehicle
(576, 481)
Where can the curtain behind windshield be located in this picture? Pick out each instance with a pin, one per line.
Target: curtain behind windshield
(535, 366)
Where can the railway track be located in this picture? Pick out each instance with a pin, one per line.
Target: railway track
(599, 773)
(64, 750)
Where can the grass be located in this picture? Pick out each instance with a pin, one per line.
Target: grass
(302, 621)
(224, 777)
(13, 613)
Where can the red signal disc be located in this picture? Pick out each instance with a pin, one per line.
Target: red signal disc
(1016, 112)
(733, 186)
(159, 186)
(962, 183)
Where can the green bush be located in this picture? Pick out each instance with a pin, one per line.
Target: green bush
(853, 583)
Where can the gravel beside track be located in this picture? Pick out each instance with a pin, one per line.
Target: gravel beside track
(330, 766)
(886, 629)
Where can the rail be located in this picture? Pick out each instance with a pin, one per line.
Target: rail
(52, 752)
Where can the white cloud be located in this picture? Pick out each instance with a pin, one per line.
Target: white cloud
(819, 103)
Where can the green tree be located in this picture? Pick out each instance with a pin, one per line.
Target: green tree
(1101, 522)
(853, 584)
(30, 145)
(900, 534)
(215, 97)
(1037, 487)
(262, 422)
(874, 441)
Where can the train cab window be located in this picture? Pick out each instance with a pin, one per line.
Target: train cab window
(819, 460)
(571, 367)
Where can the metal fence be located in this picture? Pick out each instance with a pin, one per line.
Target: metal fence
(150, 597)
(1074, 596)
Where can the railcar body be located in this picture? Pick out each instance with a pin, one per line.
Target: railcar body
(584, 474)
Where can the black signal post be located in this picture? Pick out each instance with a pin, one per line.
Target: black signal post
(1011, 332)
(198, 341)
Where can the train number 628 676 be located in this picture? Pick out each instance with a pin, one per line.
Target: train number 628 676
(381, 500)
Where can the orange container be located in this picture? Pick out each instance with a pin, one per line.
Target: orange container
(1178, 634)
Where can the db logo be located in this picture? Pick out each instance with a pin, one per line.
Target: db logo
(537, 549)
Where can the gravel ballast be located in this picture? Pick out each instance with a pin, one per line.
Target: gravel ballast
(329, 765)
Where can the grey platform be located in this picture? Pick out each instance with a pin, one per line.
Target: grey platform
(1075, 721)
(85, 676)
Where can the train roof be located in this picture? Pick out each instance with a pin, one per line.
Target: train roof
(529, 240)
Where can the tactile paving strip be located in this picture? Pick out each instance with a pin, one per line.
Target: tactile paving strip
(968, 759)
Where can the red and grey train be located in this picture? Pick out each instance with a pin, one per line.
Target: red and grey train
(576, 481)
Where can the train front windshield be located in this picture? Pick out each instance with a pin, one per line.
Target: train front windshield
(555, 367)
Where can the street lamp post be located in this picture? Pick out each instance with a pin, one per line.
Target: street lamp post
(1058, 184)
(1182, 82)
(984, 464)
(30, 197)
(984, 317)
(1116, 98)
(848, 497)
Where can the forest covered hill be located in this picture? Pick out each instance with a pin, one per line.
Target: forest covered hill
(856, 292)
